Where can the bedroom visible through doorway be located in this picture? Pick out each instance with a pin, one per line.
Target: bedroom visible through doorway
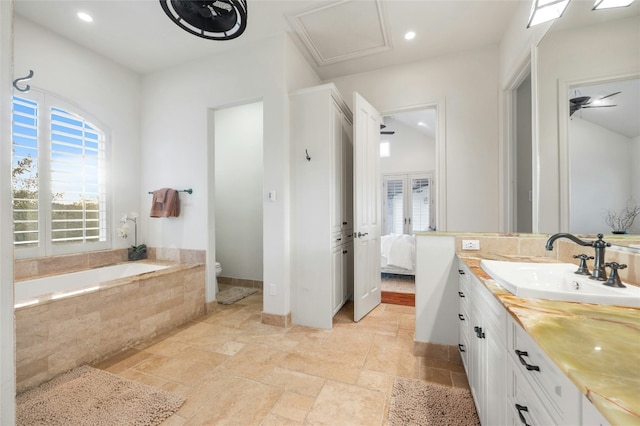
(408, 164)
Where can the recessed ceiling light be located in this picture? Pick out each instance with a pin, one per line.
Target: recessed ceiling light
(409, 35)
(422, 123)
(84, 16)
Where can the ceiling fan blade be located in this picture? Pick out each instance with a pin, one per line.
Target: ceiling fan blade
(598, 106)
(608, 96)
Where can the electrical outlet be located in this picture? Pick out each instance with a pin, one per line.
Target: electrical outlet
(470, 244)
(272, 289)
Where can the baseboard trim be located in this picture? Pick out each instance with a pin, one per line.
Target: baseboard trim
(277, 320)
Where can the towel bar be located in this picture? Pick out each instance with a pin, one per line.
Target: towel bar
(188, 191)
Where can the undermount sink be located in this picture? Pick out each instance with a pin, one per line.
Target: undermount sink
(557, 281)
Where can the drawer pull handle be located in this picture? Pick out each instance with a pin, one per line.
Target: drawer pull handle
(461, 348)
(461, 294)
(461, 317)
(520, 409)
(460, 271)
(525, 363)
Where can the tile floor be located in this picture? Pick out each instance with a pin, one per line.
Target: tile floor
(234, 370)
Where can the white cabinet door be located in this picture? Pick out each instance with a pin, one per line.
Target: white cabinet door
(367, 209)
(337, 293)
(347, 174)
(337, 183)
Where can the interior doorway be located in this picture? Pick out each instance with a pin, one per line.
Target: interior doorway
(408, 165)
(238, 205)
(523, 159)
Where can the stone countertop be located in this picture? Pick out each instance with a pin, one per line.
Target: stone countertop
(596, 346)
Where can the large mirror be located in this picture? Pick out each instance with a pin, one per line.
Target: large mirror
(604, 157)
(588, 154)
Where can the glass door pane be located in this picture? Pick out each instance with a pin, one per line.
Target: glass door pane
(420, 203)
(394, 217)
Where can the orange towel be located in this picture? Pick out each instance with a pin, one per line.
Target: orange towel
(165, 203)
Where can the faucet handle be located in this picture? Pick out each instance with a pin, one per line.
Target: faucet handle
(582, 268)
(614, 278)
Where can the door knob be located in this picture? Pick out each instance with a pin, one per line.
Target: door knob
(360, 234)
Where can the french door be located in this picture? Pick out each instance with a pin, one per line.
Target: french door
(408, 203)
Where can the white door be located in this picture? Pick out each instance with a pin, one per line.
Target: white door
(367, 206)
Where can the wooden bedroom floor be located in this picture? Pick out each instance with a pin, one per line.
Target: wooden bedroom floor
(398, 290)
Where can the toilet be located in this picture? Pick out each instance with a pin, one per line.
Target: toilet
(218, 269)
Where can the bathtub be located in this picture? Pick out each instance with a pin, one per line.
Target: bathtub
(64, 321)
(29, 292)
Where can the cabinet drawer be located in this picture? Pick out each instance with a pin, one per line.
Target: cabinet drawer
(524, 406)
(558, 393)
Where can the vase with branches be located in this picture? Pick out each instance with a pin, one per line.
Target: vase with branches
(621, 221)
(136, 252)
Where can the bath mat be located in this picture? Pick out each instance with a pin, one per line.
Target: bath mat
(88, 396)
(233, 294)
(416, 402)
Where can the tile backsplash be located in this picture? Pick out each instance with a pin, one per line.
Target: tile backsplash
(533, 245)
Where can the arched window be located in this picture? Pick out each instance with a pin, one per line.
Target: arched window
(58, 176)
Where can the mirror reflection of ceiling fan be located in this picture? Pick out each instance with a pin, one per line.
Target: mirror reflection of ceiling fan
(583, 102)
(386, 132)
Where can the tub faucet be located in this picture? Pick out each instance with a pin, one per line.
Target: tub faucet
(599, 245)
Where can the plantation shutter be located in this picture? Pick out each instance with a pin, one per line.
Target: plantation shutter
(78, 208)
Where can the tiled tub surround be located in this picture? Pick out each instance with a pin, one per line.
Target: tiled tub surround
(53, 265)
(56, 335)
(569, 332)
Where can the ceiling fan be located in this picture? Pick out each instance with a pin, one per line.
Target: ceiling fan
(386, 132)
(583, 102)
(210, 19)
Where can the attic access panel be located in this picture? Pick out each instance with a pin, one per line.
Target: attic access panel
(210, 19)
(343, 30)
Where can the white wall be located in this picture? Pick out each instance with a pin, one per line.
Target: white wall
(586, 53)
(467, 84)
(178, 153)
(105, 90)
(238, 190)
(597, 187)
(411, 151)
(7, 334)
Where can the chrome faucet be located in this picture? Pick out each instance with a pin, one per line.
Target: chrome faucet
(599, 245)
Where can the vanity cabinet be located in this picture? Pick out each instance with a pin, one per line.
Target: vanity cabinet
(321, 206)
(512, 380)
(554, 396)
(483, 337)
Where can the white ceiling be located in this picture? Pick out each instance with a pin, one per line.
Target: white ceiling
(138, 35)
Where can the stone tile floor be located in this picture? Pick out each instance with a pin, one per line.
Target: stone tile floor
(234, 370)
